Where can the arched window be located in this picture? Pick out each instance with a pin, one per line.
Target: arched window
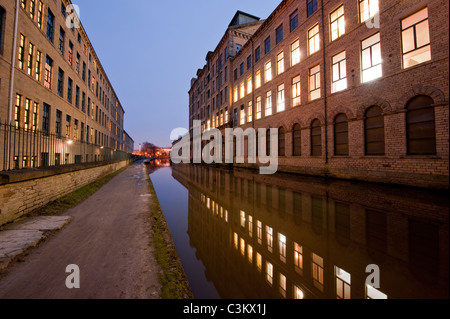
(297, 140)
(281, 142)
(341, 135)
(374, 131)
(420, 123)
(316, 138)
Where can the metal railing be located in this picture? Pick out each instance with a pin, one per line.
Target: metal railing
(22, 148)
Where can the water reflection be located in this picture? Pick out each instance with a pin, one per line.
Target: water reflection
(285, 236)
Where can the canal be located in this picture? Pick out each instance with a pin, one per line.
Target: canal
(249, 236)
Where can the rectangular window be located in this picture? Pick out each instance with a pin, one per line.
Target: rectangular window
(22, 51)
(257, 54)
(339, 73)
(70, 55)
(35, 117)
(293, 21)
(416, 39)
(371, 58)
(77, 63)
(30, 59)
(62, 39)
(268, 72)
(75, 130)
(296, 91)
(241, 69)
(279, 34)
(269, 237)
(50, 25)
(282, 241)
(235, 94)
(298, 258)
(314, 83)
(311, 7)
(46, 118)
(17, 110)
(83, 102)
(26, 118)
(68, 126)
(48, 76)
(337, 23)
(313, 40)
(367, 9)
(32, 9)
(37, 73)
(269, 103)
(58, 123)
(343, 283)
(295, 52)
(242, 114)
(69, 90)
(40, 14)
(280, 63)
(60, 82)
(77, 97)
(269, 273)
(280, 99)
(317, 271)
(249, 85)
(250, 112)
(267, 45)
(258, 107)
(249, 62)
(258, 79)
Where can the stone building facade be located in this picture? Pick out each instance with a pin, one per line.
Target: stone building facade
(57, 105)
(357, 89)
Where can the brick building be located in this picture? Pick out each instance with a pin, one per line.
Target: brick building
(57, 105)
(356, 88)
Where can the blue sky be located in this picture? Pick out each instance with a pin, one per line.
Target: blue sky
(151, 49)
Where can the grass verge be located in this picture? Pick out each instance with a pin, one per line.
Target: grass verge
(73, 199)
(174, 283)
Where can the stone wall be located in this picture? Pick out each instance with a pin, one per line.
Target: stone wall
(24, 191)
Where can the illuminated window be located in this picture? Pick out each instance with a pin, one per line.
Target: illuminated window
(250, 226)
(280, 99)
(258, 79)
(298, 258)
(26, 118)
(269, 273)
(242, 115)
(296, 91)
(17, 110)
(259, 231)
(337, 23)
(416, 39)
(21, 51)
(249, 85)
(35, 117)
(242, 247)
(339, 80)
(298, 293)
(371, 58)
(283, 285)
(295, 52)
(317, 271)
(249, 112)
(250, 253)
(269, 103)
(242, 90)
(373, 293)
(314, 83)
(282, 246)
(280, 63)
(259, 261)
(343, 283)
(313, 39)
(37, 73)
(269, 236)
(40, 14)
(236, 97)
(268, 72)
(258, 107)
(236, 240)
(367, 9)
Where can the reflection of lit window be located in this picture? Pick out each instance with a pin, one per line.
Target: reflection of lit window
(373, 293)
(416, 39)
(282, 242)
(269, 235)
(317, 271)
(283, 285)
(298, 293)
(259, 261)
(236, 240)
(269, 272)
(242, 218)
(242, 247)
(259, 231)
(250, 226)
(250, 253)
(343, 283)
(226, 215)
(298, 258)
(371, 58)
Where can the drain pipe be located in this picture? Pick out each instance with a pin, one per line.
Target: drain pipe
(325, 86)
(11, 82)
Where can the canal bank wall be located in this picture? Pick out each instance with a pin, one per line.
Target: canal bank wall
(21, 192)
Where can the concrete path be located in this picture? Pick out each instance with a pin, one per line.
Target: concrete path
(109, 239)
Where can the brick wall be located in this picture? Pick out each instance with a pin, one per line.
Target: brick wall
(25, 195)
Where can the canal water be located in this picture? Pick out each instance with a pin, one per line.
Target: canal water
(249, 236)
